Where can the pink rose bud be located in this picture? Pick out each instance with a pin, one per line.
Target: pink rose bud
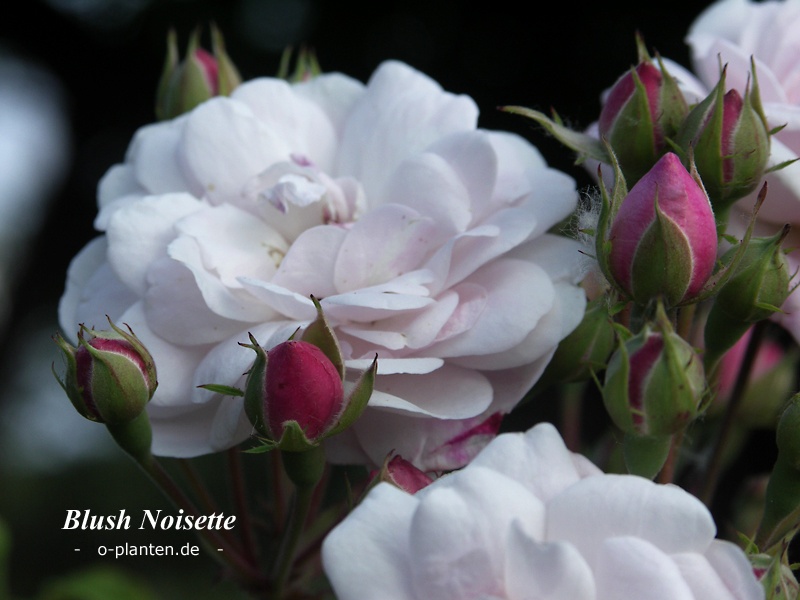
(655, 382)
(663, 238)
(729, 138)
(110, 376)
(401, 473)
(294, 394)
(299, 384)
(643, 108)
(184, 85)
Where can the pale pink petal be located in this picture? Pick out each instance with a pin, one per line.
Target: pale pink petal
(92, 291)
(140, 232)
(518, 294)
(401, 113)
(289, 116)
(386, 243)
(538, 459)
(225, 145)
(308, 266)
(448, 392)
(458, 533)
(367, 554)
(545, 571)
(177, 310)
(630, 567)
(599, 507)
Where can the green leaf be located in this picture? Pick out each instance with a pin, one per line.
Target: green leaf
(225, 390)
(585, 145)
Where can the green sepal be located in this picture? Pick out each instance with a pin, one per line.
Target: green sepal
(609, 206)
(662, 264)
(228, 77)
(645, 455)
(264, 446)
(294, 438)
(225, 390)
(254, 394)
(357, 401)
(320, 334)
(583, 144)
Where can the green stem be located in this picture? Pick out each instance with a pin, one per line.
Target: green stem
(196, 483)
(714, 469)
(305, 469)
(215, 544)
(571, 404)
(242, 508)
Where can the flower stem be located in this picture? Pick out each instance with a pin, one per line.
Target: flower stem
(215, 544)
(242, 508)
(305, 469)
(714, 469)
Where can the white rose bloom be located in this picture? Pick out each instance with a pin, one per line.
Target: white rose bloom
(732, 32)
(425, 238)
(527, 519)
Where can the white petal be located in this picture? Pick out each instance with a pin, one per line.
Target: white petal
(629, 567)
(459, 531)
(178, 311)
(139, 233)
(401, 113)
(366, 555)
(92, 291)
(538, 459)
(154, 156)
(518, 294)
(386, 243)
(308, 266)
(447, 393)
(599, 507)
(230, 303)
(225, 145)
(291, 117)
(545, 571)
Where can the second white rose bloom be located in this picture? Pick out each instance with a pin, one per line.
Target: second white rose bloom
(425, 238)
(529, 519)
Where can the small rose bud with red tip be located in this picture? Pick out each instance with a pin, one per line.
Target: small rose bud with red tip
(663, 238)
(729, 138)
(294, 393)
(643, 108)
(200, 76)
(110, 375)
(653, 388)
(301, 385)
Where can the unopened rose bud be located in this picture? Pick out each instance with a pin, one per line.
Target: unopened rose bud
(729, 138)
(297, 384)
(757, 289)
(402, 474)
(643, 109)
(654, 383)
(184, 85)
(294, 394)
(663, 238)
(110, 376)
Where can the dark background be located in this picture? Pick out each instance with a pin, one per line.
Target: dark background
(107, 56)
